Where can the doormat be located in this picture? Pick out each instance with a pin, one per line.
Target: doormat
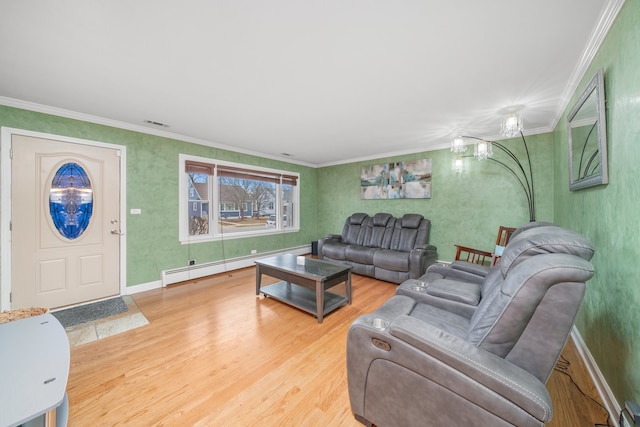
(87, 313)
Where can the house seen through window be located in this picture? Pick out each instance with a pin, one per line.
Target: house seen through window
(225, 199)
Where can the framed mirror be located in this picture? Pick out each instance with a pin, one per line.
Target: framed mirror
(587, 135)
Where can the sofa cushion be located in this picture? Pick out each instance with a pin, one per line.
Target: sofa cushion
(411, 232)
(529, 226)
(379, 231)
(543, 240)
(500, 318)
(411, 220)
(441, 319)
(381, 219)
(391, 260)
(354, 229)
(358, 218)
(335, 250)
(360, 254)
(455, 290)
(404, 239)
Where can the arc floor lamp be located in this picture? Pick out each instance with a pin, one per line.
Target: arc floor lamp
(483, 150)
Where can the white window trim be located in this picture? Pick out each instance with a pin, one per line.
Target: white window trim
(183, 191)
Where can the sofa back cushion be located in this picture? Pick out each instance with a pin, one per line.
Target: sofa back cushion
(529, 226)
(411, 232)
(378, 230)
(354, 229)
(544, 240)
(526, 316)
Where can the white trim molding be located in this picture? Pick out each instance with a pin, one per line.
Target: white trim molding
(197, 271)
(181, 274)
(611, 10)
(60, 112)
(604, 391)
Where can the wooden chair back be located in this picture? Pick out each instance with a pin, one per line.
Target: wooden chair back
(477, 256)
(504, 234)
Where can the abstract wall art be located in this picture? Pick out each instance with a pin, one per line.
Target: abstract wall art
(397, 180)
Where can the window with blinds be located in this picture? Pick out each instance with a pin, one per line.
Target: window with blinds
(221, 199)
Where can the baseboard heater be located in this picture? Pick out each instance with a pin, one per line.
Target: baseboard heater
(176, 275)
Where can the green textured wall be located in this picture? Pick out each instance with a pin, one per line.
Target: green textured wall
(609, 321)
(465, 208)
(152, 185)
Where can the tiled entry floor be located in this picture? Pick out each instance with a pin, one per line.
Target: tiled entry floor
(96, 329)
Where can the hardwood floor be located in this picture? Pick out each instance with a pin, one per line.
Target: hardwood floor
(215, 354)
(575, 399)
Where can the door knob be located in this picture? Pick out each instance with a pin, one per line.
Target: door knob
(117, 232)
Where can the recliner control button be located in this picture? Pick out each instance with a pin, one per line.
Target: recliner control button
(381, 344)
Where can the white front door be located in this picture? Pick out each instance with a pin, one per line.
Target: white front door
(65, 222)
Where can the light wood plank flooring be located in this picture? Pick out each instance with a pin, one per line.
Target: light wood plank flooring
(215, 354)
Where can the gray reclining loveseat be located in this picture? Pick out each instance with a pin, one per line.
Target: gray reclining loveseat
(423, 359)
(460, 286)
(382, 246)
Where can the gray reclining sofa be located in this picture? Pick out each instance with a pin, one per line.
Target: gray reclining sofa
(479, 351)
(382, 246)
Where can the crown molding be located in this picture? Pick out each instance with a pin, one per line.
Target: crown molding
(607, 18)
(45, 109)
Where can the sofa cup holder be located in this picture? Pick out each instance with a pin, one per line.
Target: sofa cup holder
(419, 287)
(379, 323)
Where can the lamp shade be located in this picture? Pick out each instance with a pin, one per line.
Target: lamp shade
(511, 125)
(458, 165)
(458, 145)
(483, 150)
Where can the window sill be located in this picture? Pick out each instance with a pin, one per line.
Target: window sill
(232, 236)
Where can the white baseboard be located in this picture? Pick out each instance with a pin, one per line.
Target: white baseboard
(142, 287)
(176, 275)
(604, 391)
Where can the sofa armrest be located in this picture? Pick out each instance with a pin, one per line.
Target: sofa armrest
(448, 272)
(511, 382)
(333, 237)
(325, 239)
(420, 259)
(455, 290)
(470, 267)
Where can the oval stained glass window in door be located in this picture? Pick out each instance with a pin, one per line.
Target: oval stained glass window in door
(71, 200)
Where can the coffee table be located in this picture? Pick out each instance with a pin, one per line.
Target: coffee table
(305, 285)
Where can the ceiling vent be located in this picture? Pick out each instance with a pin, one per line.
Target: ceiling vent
(154, 123)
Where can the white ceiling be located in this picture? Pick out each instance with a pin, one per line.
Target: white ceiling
(325, 81)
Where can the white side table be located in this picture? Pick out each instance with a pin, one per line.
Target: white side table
(34, 368)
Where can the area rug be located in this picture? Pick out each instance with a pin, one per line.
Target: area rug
(94, 311)
(114, 321)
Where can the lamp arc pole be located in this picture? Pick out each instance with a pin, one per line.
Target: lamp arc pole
(520, 173)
